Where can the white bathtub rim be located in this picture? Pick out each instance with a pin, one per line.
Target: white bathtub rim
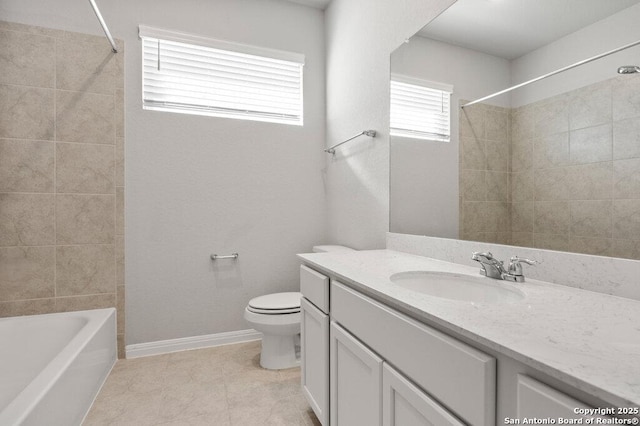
(32, 394)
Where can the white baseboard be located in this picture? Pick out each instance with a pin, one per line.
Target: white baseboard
(194, 342)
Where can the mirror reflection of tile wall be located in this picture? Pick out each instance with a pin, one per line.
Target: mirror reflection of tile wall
(560, 174)
(484, 173)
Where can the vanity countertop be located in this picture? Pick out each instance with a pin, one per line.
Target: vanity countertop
(588, 340)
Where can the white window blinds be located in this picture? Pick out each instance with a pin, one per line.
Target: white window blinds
(190, 74)
(419, 111)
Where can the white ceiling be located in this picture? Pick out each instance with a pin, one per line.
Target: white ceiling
(318, 4)
(511, 28)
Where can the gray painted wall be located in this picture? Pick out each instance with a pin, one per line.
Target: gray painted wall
(610, 33)
(360, 36)
(202, 185)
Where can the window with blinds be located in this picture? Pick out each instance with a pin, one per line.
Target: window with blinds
(194, 75)
(420, 109)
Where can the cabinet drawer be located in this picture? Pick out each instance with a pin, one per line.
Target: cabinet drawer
(459, 377)
(315, 287)
(535, 399)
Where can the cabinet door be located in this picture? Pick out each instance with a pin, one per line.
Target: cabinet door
(356, 381)
(314, 362)
(404, 404)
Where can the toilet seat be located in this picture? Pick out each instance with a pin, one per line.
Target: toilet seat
(273, 311)
(276, 304)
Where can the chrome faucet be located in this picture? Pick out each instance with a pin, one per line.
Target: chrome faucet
(494, 268)
(491, 267)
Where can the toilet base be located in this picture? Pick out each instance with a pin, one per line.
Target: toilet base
(279, 352)
(280, 336)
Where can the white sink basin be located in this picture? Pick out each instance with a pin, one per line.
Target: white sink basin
(458, 286)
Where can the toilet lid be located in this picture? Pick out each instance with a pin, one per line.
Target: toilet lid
(287, 302)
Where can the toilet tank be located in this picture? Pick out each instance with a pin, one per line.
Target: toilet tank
(330, 248)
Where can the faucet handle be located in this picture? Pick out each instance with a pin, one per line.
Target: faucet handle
(515, 264)
(476, 255)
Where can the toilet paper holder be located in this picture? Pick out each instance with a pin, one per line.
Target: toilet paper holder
(233, 256)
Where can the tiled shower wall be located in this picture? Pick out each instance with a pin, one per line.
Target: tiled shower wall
(61, 173)
(575, 171)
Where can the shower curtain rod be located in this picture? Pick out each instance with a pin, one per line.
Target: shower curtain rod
(114, 47)
(542, 77)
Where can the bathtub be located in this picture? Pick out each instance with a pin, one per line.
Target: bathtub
(52, 366)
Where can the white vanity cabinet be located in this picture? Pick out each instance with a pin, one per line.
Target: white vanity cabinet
(365, 363)
(314, 339)
(346, 337)
(459, 377)
(365, 390)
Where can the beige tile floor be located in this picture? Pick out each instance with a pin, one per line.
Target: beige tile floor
(215, 386)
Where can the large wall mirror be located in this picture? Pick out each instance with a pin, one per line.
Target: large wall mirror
(554, 164)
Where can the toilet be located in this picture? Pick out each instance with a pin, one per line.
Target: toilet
(277, 317)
